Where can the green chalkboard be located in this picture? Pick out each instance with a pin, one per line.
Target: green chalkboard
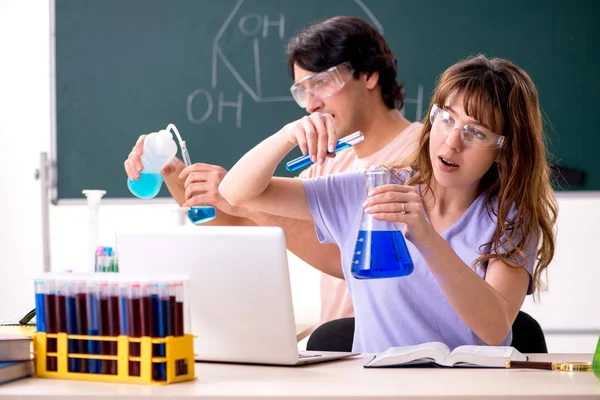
(217, 70)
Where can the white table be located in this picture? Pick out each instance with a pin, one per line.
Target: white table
(338, 379)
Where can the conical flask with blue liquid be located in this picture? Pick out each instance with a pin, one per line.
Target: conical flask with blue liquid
(159, 150)
(380, 250)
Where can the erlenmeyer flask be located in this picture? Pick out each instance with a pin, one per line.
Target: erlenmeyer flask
(380, 250)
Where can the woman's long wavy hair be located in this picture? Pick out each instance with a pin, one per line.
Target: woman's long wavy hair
(499, 92)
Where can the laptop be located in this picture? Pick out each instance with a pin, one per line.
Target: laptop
(238, 295)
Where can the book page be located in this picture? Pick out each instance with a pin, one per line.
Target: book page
(434, 351)
(490, 356)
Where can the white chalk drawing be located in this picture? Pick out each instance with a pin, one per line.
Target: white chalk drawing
(200, 103)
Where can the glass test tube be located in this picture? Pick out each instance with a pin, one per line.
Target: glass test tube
(103, 324)
(82, 317)
(50, 321)
(40, 314)
(73, 364)
(92, 325)
(134, 325)
(113, 323)
(164, 322)
(180, 365)
(61, 309)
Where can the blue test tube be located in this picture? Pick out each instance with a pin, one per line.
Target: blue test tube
(71, 315)
(164, 317)
(156, 321)
(110, 260)
(92, 325)
(341, 144)
(123, 317)
(40, 314)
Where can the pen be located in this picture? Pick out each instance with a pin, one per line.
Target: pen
(341, 144)
(532, 365)
(565, 366)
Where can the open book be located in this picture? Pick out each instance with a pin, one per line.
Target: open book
(439, 354)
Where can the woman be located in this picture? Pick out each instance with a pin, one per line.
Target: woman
(477, 204)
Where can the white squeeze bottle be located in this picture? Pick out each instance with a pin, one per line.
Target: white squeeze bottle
(159, 150)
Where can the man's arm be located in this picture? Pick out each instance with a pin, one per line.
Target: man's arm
(300, 235)
(302, 240)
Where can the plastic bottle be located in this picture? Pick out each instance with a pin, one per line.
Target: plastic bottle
(159, 150)
(380, 250)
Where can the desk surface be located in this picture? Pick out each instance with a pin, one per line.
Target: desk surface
(341, 379)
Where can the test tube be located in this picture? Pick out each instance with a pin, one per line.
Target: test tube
(61, 308)
(164, 322)
(105, 259)
(71, 315)
(341, 144)
(156, 348)
(113, 322)
(50, 320)
(40, 314)
(146, 314)
(92, 325)
(116, 261)
(123, 314)
(99, 258)
(103, 322)
(172, 307)
(110, 260)
(180, 365)
(82, 317)
(134, 325)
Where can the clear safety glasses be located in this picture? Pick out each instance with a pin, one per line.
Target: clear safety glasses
(446, 123)
(322, 84)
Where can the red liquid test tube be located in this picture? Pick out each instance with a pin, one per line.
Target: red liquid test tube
(81, 313)
(134, 325)
(113, 323)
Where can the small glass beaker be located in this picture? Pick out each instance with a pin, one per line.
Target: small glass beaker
(380, 250)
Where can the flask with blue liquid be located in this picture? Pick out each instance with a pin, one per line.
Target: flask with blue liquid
(159, 150)
(380, 250)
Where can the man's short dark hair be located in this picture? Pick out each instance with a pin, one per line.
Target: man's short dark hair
(340, 39)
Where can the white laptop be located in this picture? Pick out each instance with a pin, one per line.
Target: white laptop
(238, 294)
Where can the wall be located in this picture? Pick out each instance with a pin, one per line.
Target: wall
(25, 131)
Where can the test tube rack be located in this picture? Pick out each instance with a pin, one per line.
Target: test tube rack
(179, 350)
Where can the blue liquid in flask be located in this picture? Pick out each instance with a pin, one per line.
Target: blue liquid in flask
(201, 214)
(381, 254)
(147, 186)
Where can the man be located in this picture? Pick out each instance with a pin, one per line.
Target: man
(342, 67)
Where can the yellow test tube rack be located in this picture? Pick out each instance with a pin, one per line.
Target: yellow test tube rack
(178, 349)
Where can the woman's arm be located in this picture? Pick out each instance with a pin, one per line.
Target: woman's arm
(488, 307)
(250, 182)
